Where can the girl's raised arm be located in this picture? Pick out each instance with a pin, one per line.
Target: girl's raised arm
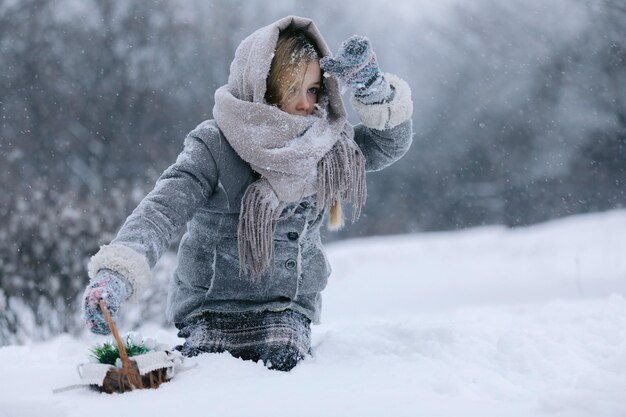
(381, 100)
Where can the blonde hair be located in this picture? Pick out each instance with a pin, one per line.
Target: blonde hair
(294, 49)
(335, 219)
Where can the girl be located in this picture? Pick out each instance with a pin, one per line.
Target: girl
(253, 186)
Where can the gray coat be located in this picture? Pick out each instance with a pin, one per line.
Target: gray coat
(203, 190)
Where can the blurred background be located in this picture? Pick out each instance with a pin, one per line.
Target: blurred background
(520, 117)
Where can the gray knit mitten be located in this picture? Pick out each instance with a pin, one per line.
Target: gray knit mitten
(109, 286)
(357, 67)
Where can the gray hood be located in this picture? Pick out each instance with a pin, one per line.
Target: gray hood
(253, 59)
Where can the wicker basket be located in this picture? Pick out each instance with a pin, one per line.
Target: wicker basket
(128, 377)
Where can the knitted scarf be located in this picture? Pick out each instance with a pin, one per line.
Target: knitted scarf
(297, 156)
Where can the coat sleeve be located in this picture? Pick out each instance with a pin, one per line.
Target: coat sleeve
(386, 130)
(148, 231)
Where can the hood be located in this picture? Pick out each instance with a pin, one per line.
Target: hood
(253, 60)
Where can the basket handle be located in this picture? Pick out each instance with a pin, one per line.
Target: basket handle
(120, 346)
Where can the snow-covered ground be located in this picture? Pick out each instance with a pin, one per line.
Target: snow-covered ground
(482, 322)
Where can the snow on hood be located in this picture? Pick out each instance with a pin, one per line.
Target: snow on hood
(253, 60)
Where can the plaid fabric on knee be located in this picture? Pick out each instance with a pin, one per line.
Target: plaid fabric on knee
(279, 338)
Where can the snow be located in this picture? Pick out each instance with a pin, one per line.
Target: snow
(481, 322)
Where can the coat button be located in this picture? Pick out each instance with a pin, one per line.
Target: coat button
(292, 235)
(290, 264)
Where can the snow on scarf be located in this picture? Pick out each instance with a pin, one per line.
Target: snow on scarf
(297, 156)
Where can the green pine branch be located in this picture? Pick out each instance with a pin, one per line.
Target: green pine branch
(108, 352)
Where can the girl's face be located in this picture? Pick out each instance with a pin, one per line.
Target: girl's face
(302, 101)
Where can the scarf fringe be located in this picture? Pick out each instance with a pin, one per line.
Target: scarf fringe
(260, 210)
(341, 176)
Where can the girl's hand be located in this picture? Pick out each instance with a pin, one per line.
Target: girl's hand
(357, 67)
(110, 287)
